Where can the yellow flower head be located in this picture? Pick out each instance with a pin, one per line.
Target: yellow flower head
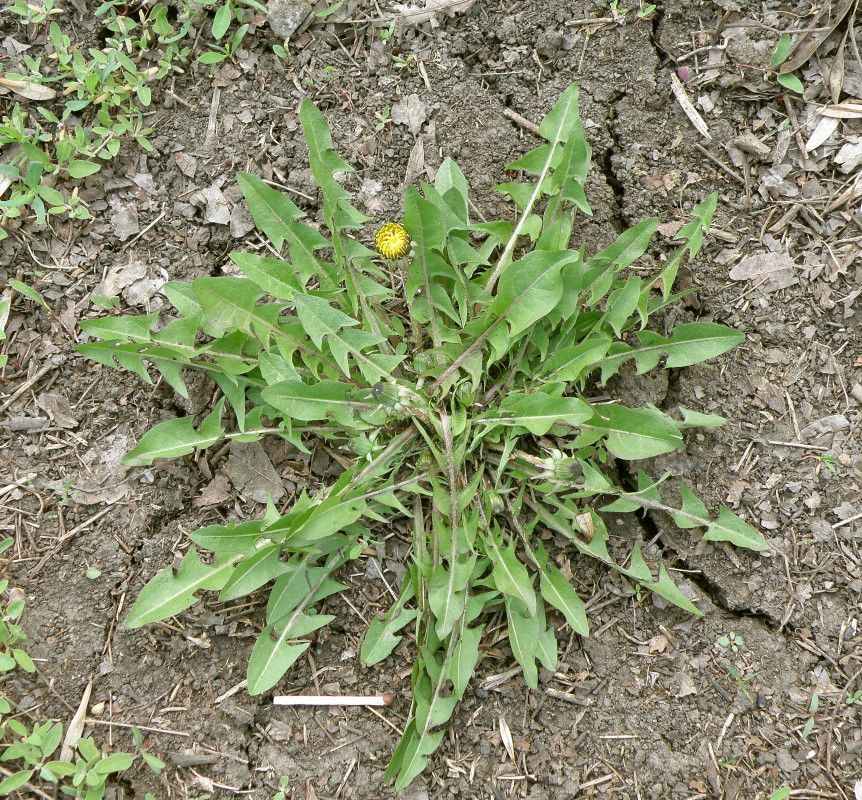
(392, 240)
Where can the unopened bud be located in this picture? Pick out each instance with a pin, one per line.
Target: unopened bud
(361, 446)
(386, 394)
(560, 467)
(493, 501)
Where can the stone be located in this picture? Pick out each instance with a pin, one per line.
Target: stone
(285, 16)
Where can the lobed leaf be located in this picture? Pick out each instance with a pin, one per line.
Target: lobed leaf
(176, 437)
(169, 593)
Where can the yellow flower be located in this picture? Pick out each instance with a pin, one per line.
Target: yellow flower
(392, 240)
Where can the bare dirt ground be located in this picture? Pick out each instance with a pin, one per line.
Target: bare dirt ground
(656, 707)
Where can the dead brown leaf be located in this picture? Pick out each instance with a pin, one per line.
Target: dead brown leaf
(32, 91)
(251, 471)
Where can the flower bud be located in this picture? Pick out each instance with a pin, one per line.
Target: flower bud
(386, 394)
(568, 469)
(493, 501)
(361, 446)
(560, 467)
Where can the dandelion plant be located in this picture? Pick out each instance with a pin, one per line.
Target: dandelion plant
(454, 375)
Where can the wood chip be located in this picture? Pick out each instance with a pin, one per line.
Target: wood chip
(690, 111)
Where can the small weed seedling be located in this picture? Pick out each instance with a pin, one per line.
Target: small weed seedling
(854, 699)
(5, 307)
(828, 461)
(454, 380)
(787, 79)
(731, 641)
(813, 707)
(103, 93)
(29, 752)
(646, 10)
(283, 787)
(779, 794)
(12, 634)
(739, 680)
(33, 14)
(219, 53)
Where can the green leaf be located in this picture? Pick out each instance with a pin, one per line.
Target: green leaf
(134, 329)
(254, 572)
(560, 123)
(274, 654)
(695, 419)
(689, 344)
(570, 363)
(29, 292)
(530, 288)
(23, 660)
(730, 528)
(694, 511)
(628, 247)
(510, 575)
(633, 433)
(293, 586)
(132, 358)
(272, 275)
(168, 593)
(176, 437)
(560, 593)
(698, 341)
(322, 401)
(693, 234)
(664, 586)
(447, 594)
(339, 215)
(524, 635)
(222, 21)
(275, 214)
(539, 412)
(229, 302)
(465, 656)
(782, 49)
(88, 749)
(117, 762)
(380, 639)
(82, 169)
(34, 153)
(621, 304)
(789, 81)
(17, 780)
(60, 769)
(212, 58)
(51, 739)
(329, 10)
(452, 185)
(51, 196)
(411, 755)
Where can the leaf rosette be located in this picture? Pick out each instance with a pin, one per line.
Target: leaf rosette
(456, 393)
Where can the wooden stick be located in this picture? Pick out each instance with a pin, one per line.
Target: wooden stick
(325, 700)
